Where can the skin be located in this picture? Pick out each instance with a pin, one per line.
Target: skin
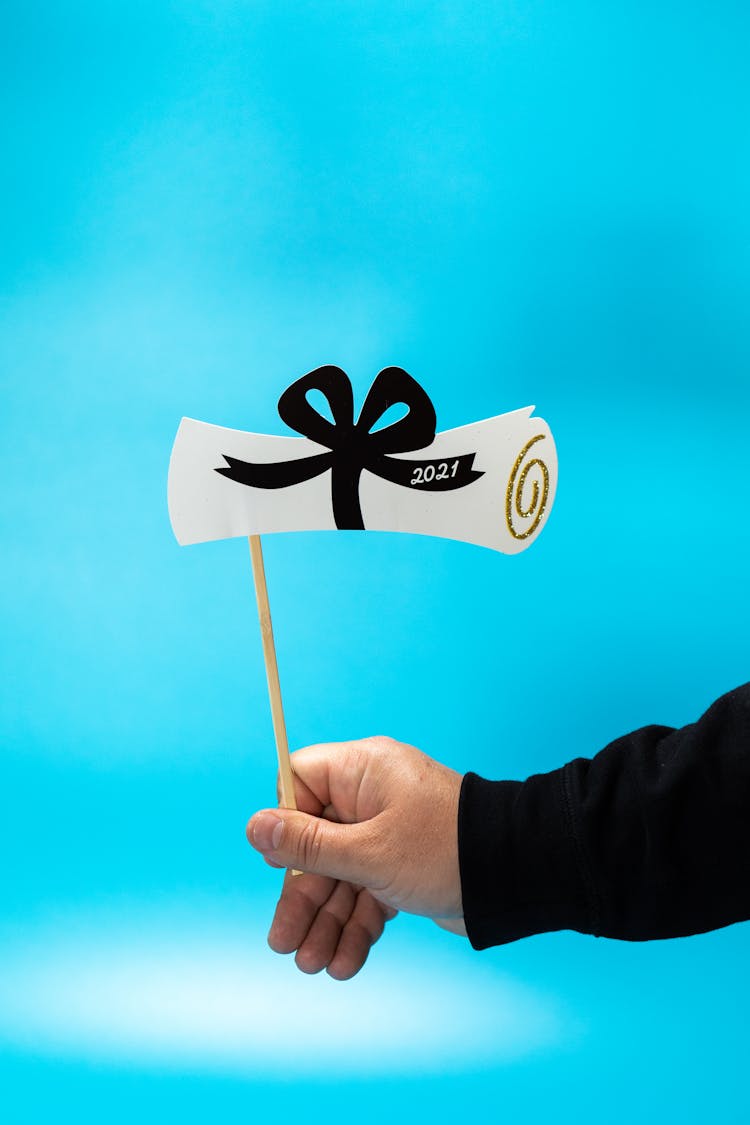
(375, 833)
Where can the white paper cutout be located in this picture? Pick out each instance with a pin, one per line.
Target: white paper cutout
(500, 498)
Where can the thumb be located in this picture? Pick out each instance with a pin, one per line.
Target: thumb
(310, 843)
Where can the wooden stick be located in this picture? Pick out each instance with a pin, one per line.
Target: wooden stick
(272, 674)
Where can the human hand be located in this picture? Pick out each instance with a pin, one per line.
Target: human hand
(375, 833)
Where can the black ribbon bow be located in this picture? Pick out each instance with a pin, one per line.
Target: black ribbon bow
(351, 445)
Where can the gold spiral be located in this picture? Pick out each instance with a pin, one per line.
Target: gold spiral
(514, 493)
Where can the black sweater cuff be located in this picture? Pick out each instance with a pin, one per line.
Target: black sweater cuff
(521, 871)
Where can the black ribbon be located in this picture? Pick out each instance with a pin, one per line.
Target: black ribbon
(352, 447)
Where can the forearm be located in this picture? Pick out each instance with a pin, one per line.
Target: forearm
(649, 839)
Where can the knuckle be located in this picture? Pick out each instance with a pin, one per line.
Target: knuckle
(309, 843)
(381, 745)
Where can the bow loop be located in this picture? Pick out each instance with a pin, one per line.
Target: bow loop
(298, 412)
(415, 430)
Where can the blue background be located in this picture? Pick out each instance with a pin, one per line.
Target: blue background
(517, 202)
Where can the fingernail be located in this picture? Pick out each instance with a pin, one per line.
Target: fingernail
(267, 831)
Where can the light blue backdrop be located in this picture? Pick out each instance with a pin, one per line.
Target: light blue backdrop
(517, 202)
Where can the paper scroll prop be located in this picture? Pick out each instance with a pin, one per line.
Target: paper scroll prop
(491, 483)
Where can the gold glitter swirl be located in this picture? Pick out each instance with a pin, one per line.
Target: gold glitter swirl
(536, 507)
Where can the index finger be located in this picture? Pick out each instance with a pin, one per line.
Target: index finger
(327, 771)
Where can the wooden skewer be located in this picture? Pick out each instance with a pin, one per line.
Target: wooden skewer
(272, 675)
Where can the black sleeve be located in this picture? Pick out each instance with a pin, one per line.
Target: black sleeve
(649, 839)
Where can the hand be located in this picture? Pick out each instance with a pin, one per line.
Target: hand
(376, 832)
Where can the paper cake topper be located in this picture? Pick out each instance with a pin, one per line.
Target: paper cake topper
(491, 483)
